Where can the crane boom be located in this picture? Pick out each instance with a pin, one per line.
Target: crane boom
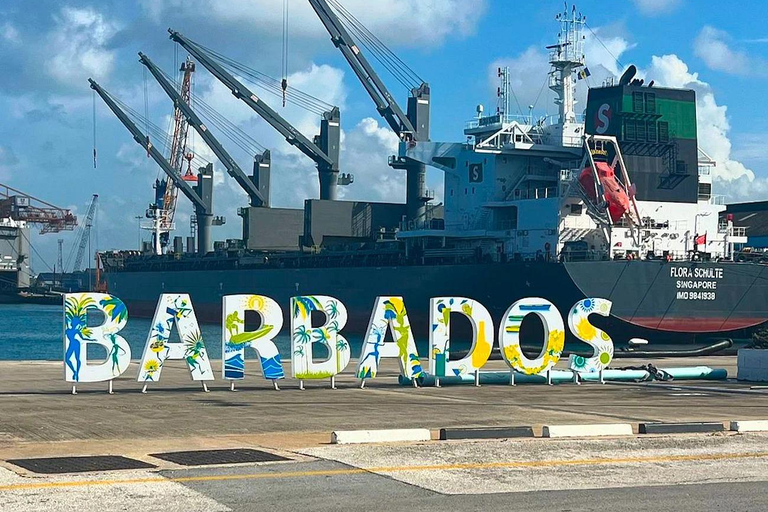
(167, 210)
(234, 170)
(143, 140)
(85, 234)
(326, 157)
(385, 102)
(240, 91)
(413, 126)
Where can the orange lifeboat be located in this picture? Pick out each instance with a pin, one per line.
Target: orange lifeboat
(615, 195)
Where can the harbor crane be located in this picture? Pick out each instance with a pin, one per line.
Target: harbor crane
(234, 170)
(16, 205)
(85, 234)
(163, 211)
(411, 126)
(201, 196)
(324, 150)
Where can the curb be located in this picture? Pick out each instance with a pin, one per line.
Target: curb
(680, 428)
(749, 426)
(599, 430)
(380, 436)
(448, 434)
(548, 431)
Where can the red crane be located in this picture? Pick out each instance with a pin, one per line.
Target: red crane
(17, 205)
(178, 154)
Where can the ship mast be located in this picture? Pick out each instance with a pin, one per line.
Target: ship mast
(566, 57)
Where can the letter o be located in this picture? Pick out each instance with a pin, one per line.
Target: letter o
(554, 336)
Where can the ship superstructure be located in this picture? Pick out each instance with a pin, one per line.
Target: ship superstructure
(514, 190)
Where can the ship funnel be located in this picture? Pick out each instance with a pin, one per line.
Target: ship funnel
(628, 75)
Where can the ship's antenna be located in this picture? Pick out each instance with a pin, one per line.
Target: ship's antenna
(566, 57)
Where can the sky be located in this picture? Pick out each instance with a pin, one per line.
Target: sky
(49, 48)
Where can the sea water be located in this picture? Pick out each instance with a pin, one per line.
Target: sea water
(35, 332)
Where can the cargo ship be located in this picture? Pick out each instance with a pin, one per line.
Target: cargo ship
(614, 203)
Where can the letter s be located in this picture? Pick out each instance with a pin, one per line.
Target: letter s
(600, 341)
(603, 118)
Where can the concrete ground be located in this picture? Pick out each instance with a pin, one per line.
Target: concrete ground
(41, 418)
(685, 473)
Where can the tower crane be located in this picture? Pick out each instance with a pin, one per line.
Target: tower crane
(201, 196)
(164, 211)
(85, 234)
(412, 126)
(324, 150)
(191, 118)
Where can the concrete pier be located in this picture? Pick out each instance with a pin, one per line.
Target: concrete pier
(38, 408)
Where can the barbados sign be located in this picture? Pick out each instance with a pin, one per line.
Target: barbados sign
(389, 316)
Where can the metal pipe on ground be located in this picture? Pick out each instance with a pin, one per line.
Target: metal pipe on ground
(562, 376)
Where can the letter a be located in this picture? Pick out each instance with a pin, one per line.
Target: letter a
(175, 309)
(389, 314)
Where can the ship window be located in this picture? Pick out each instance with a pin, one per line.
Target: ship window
(637, 102)
(576, 209)
(663, 131)
(640, 131)
(650, 103)
(465, 191)
(473, 190)
(451, 192)
(652, 132)
(629, 130)
(705, 191)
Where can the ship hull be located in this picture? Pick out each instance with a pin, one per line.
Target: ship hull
(649, 297)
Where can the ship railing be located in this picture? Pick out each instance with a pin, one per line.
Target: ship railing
(529, 120)
(735, 231)
(587, 255)
(537, 193)
(496, 119)
(717, 200)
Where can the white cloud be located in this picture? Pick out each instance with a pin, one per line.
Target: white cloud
(405, 22)
(364, 153)
(78, 46)
(657, 7)
(10, 33)
(713, 47)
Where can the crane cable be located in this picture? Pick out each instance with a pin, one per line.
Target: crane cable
(93, 94)
(389, 59)
(227, 127)
(152, 129)
(272, 85)
(146, 111)
(284, 82)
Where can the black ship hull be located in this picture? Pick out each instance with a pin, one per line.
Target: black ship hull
(661, 301)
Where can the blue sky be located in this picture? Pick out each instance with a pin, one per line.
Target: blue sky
(50, 47)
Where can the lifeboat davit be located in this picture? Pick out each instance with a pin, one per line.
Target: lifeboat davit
(618, 200)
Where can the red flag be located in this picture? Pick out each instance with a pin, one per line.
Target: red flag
(701, 240)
